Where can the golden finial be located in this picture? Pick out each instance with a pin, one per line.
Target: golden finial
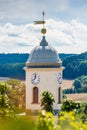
(43, 30)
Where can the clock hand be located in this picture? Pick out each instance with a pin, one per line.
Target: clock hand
(34, 76)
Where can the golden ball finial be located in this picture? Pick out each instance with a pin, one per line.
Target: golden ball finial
(43, 30)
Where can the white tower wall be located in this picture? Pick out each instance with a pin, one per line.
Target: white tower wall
(48, 81)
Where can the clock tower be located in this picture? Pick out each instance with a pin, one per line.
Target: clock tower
(43, 72)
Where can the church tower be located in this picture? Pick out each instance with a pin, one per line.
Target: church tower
(43, 72)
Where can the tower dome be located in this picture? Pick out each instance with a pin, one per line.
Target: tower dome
(43, 55)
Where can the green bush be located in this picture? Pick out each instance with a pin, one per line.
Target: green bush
(66, 121)
(69, 121)
(6, 109)
(79, 108)
(45, 121)
(47, 101)
(70, 105)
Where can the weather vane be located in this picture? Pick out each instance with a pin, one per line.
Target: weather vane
(43, 30)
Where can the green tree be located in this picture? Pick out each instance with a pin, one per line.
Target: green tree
(13, 82)
(83, 68)
(80, 84)
(6, 108)
(16, 92)
(77, 85)
(79, 109)
(70, 105)
(47, 101)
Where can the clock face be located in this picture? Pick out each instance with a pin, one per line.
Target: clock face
(59, 78)
(35, 78)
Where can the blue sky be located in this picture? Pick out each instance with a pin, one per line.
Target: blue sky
(24, 11)
(66, 25)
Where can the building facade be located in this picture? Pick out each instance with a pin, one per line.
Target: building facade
(43, 72)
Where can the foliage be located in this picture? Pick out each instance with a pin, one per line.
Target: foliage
(79, 108)
(13, 70)
(6, 108)
(69, 121)
(75, 66)
(45, 121)
(12, 58)
(13, 82)
(16, 93)
(11, 65)
(65, 121)
(82, 113)
(68, 91)
(79, 86)
(18, 123)
(70, 105)
(47, 101)
(22, 58)
(64, 96)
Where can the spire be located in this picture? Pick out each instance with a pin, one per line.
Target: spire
(43, 42)
(43, 30)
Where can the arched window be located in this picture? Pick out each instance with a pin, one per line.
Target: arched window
(35, 95)
(59, 95)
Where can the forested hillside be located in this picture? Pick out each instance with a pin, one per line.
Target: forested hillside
(75, 66)
(79, 86)
(13, 58)
(14, 70)
(21, 58)
(11, 65)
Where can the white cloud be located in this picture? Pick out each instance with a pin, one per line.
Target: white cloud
(65, 37)
(68, 37)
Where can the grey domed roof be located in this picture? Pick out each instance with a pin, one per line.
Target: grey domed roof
(43, 55)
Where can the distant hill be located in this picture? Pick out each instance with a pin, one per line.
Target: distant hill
(11, 65)
(75, 66)
(13, 58)
(21, 58)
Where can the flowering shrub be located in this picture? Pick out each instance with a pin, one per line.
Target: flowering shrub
(70, 105)
(45, 121)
